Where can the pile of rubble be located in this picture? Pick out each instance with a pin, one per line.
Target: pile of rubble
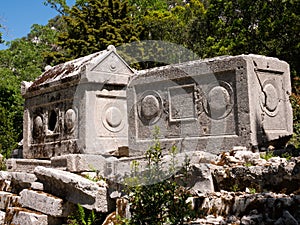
(239, 187)
(249, 189)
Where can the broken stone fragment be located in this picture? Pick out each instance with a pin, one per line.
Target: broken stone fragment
(22, 216)
(286, 218)
(15, 181)
(8, 200)
(25, 165)
(74, 188)
(46, 203)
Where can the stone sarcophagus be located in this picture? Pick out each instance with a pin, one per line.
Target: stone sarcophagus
(77, 107)
(212, 104)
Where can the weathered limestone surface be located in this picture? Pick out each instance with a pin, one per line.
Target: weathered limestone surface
(117, 169)
(2, 217)
(80, 162)
(254, 208)
(8, 199)
(16, 181)
(20, 216)
(74, 188)
(222, 187)
(37, 186)
(212, 104)
(87, 92)
(25, 165)
(46, 203)
(277, 174)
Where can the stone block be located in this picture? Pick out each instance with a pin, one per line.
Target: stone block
(20, 216)
(80, 163)
(15, 181)
(46, 203)
(8, 200)
(211, 105)
(2, 217)
(200, 179)
(118, 169)
(37, 186)
(88, 92)
(25, 165)
(5, 181)
(74, 188)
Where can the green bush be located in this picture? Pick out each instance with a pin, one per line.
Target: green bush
(84, 216)
(155, 195)
(267, 155)
(295, 100)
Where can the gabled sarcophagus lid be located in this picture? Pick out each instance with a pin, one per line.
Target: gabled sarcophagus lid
(77, 107)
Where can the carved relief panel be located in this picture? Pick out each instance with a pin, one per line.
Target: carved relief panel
(212, 104)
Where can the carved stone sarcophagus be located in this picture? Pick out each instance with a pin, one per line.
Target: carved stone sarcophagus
(77, 107)
(212, 104)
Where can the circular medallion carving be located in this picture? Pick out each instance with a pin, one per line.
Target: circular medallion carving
(113, 116)
(37, 126)
(219, 101)
(269, 99)
(150, 107)
(70, 118)
(113, 67)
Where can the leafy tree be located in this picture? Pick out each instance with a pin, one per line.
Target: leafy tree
(59, 5)
(166, 20)
(93, 26)
(1, 41)
(11, 113)
(23, 60)
(241, 27)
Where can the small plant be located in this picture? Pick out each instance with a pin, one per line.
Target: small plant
(267, 155)
(155, 195)
(84, 216)
(295, 101)
(286, 155)
(235, 188)
(248, 164)
(252, 190)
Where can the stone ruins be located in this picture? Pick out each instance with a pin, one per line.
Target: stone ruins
(92, 116)
(77, 107)
(212, 104)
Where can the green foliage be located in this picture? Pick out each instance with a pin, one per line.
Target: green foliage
(92, 26)
(241, 27)
(84, 216)
(295, 100)
(11, 113)
(235, 188)
(155, 195)
(59, 5)
(1, 40)
(267, 155)
(171, 22)
(286, 155)
(22, 61)
(248, 164)
(252, 190)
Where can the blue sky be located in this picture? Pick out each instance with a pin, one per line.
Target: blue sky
(17, 16)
